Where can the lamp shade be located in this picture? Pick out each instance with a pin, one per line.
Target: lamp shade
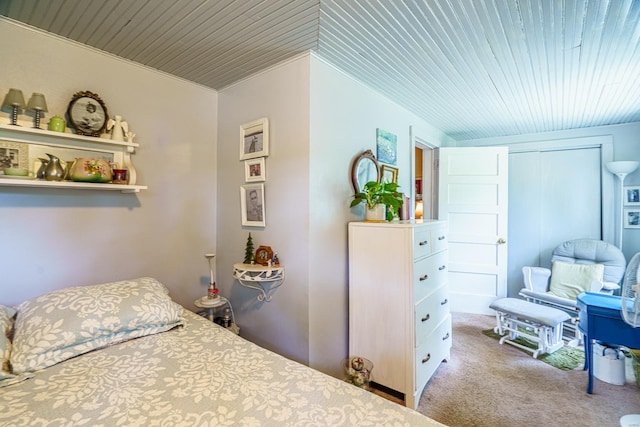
(37, 102)
(622, 167)
(14, 98)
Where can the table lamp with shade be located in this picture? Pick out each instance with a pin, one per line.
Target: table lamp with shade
(13, 102)
(38, 105)
(621, 169)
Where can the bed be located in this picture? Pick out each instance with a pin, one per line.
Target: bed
(123, 353)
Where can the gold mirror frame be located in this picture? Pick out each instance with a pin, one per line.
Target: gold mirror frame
(362, 170)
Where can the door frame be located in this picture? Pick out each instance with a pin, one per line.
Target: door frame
(419, 142)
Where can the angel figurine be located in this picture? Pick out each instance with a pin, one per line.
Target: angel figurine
(118, 128)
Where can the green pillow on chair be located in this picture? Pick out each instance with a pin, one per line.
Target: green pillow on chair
(568, 280)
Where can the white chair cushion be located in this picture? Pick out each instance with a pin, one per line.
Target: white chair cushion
(568, 280)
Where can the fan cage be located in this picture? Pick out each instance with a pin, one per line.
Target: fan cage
(630, 291)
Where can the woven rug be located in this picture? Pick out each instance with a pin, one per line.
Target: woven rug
(565, 358)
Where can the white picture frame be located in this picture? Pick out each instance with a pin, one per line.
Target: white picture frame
(252, 205)
(254, 139)
(255, 170)
(632, 218)
(632, 195)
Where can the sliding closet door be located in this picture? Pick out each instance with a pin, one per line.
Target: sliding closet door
(554, 196)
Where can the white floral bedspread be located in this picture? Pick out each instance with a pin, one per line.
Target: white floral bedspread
(199, 375)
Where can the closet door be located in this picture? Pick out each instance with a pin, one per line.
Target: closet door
(554, 196)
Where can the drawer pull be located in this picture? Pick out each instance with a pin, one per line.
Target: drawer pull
(442, 267)
(426, 317)
(426, 359)
(446, 337)
(441, 237)
(423, 278)
(423, 242)
(445, 301)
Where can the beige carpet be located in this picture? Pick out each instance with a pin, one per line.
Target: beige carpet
(488, 384)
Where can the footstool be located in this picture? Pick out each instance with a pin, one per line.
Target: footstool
(545, 322)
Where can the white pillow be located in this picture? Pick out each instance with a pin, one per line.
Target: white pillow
(568, 280)
(72, 321)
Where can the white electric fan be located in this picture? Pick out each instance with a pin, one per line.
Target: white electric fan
(630, 294)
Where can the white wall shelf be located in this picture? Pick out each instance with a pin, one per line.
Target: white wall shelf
(262, 278)
(120, 150)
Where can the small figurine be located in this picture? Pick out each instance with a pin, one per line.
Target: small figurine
(275, 260)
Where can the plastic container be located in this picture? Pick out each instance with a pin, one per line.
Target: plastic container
(608, 364)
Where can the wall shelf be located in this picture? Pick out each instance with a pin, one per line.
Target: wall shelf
(262, 278)
(120, 151)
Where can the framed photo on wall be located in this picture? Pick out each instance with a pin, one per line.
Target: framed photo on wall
(14, 155)
(254, 139)
(254, 170)
(631, 218)
(388, 174)
(632, 196)
(387, 147)
(252, 205)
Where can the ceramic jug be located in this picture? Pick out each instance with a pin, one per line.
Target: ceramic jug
(91, 170)
(54, 170)
(57, 124)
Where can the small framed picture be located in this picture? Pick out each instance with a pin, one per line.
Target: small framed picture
(14, 155)
(254, 170)
(252, 205)
(388, 173)
(632, 196)
(631, 218)
(254, 139)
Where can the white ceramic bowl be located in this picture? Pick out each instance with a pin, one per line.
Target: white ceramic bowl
(16, 171)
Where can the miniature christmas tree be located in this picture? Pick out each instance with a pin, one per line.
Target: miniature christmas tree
(248, 251)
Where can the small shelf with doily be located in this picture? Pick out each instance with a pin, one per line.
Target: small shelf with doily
(264, 279)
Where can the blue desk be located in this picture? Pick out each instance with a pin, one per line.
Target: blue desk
(601, 320)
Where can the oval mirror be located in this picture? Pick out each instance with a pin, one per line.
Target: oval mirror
(365, 168)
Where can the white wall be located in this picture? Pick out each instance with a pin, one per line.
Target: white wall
(319, 120)
(344, 117)
(280, 94)
(58, 238)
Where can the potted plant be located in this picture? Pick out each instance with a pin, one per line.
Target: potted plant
(375, 194)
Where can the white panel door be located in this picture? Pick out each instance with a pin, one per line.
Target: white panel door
(473, 197)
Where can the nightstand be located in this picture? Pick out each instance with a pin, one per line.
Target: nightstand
(221, 306)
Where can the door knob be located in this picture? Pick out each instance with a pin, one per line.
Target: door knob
(501, 241)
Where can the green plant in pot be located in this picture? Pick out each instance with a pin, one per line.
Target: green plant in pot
(380, 193)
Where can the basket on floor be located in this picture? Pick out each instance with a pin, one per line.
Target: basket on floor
(635, 362)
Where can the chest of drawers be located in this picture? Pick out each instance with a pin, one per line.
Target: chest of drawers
(398, 301)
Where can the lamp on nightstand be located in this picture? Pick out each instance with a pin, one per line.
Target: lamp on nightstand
(212, 292)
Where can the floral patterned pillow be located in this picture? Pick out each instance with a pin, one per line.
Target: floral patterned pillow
(6, 323)
(72, 321)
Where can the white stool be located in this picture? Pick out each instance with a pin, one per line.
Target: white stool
(545, 322)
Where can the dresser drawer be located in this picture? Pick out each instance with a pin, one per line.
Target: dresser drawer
(439, 239)
(430, 354)
(428, 274)
(430, 312)
(421, 243)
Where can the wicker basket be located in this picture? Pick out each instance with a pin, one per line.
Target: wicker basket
(635, 362)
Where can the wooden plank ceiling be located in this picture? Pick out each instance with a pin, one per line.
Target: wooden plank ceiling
(473, 69)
